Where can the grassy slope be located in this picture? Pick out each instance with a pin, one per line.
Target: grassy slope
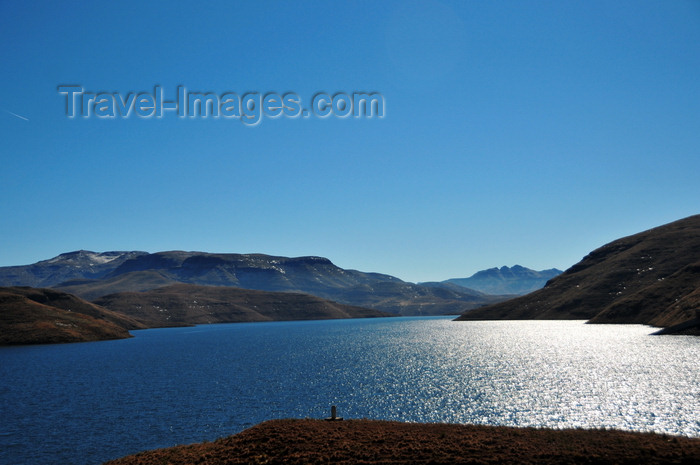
(32, 316)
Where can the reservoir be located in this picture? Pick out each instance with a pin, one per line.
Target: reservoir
(91, 402)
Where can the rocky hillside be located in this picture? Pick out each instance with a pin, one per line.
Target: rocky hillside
(34, 316)
(507, 280)
(652, 277)
(92, 275)
(187, 304)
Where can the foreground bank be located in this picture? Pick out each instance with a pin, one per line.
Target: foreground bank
(372, 442)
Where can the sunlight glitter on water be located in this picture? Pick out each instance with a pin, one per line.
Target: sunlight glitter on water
(553, 374)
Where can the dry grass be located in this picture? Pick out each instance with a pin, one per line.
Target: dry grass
(382, 442)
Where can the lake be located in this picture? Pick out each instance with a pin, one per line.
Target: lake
(91, 402)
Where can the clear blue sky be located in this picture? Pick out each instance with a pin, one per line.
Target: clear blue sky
(514, 132)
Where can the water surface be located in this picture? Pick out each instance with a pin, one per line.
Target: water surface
(87, 403)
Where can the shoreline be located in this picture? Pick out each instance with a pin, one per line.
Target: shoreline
(310, 441)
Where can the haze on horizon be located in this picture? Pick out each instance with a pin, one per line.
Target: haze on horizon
(521, 133)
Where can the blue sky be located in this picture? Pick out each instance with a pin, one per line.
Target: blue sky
(514, 132)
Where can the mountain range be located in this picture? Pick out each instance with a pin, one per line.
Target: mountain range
(504, 280)
(85, 296)
(651, 278)
(92, 275)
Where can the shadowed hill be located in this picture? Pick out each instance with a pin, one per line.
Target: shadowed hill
(187, 304)
(650, 278)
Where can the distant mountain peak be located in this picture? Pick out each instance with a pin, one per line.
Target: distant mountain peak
(506, 280)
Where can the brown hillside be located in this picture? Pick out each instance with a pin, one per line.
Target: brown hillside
(650, 278)
(663, 303)
(384, 442)
(187, 304)
(42, 316)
